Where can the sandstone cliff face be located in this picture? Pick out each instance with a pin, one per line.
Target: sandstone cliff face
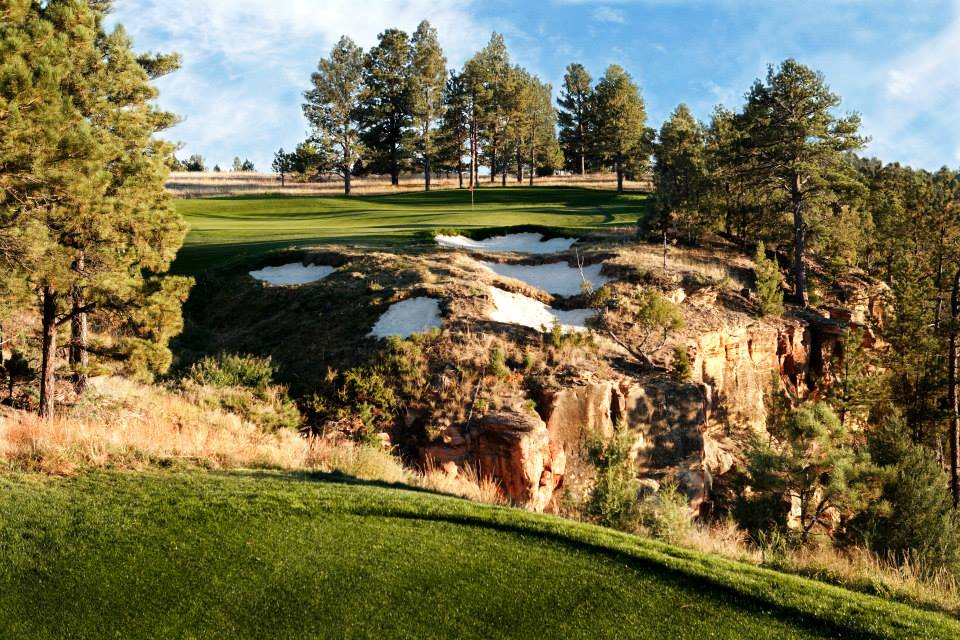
(690, 431)
(513, 448)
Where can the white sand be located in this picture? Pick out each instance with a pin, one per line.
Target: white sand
(293, 273)
(514, 243)
(557, 278)
(513, 308)
(415, 315)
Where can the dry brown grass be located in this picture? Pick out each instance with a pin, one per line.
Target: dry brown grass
(854, 568)
(127, 425)
(187, 184)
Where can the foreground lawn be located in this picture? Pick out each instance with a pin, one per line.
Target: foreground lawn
(223, 228)
(170, 555)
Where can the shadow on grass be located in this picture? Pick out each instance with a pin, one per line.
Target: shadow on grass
(545, 528)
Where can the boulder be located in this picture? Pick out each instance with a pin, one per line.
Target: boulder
(514, 448)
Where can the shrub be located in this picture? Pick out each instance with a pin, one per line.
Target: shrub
(232, 370)
(16, 370)
(242, 384)
(498, 364)
(769, 294)
(655, 317)
(666, 514)
(681, 364)
(613, 500)
(915, 522)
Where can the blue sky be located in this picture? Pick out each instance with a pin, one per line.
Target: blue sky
(247, 62)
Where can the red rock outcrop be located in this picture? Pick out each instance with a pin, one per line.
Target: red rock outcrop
(511, 447)
(690, 431)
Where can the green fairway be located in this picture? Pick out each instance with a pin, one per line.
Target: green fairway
(272, 556)
(225, 228)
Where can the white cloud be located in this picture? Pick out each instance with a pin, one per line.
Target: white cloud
(245, 62)
(917, 98)
(608, 15)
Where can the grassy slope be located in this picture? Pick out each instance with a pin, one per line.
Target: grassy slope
(193, 555)
(223, 228)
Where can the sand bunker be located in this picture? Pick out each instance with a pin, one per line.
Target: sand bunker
(557, 278)
(513, 243)
(513, 308)
(293, 273)
(405, 318)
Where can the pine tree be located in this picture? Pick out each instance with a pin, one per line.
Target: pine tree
(428, 78)
(576, 116)
(386, 104)
(105, 229)
(485, 75)
(331, 108)
(621, 118)
(769, 294)
(792, 137)
(282, 165)
(680, 173)
(455, 127)
(812, 459)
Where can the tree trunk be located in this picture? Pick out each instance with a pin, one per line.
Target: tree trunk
(583, 151)
(533, 163)
(938, 282)
(49, 353)
(619, 174)
(519, 167)
(503, 175)
(426, 174)
(799, 244)
(346, 182)
(493, 162)
(283, 181)
(79, 357)
(953, 400)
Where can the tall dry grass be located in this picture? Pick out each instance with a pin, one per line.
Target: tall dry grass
(122, 424)
(187, 184)
(854, 568)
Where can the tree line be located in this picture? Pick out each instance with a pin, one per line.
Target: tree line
(398, 108)
(782, 174)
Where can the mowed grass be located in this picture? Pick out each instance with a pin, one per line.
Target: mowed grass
(227, 228)
(175, 555)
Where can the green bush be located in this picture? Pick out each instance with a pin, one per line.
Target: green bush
(243, 384)
(233, 370)
(915, 521)
(16, 370)
(682, 370)
(498, 364)
(655, 318)
(769, 294)
(665, 515)
(613, 500)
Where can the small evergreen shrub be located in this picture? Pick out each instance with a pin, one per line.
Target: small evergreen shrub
(498, 364)
(232, 370)
(769, 294)
(665, 515)
(243, 384)
(682, 370)
(613, 500)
